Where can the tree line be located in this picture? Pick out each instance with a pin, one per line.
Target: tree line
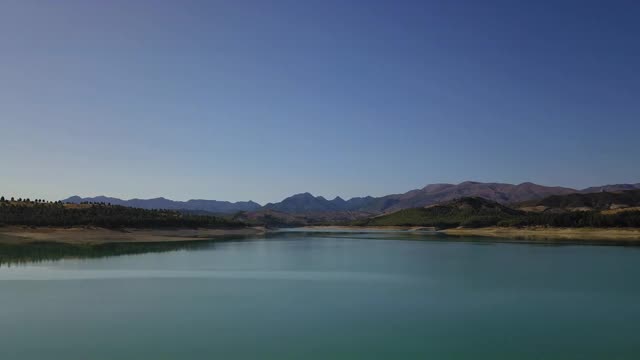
(576, 219)
(451, 218)
(27, 200)
(41, 213)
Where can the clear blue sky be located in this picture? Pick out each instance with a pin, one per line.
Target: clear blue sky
(239, 100)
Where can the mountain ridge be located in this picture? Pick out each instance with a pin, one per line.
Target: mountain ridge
(214, 206)
(577, 210)
(306, 202)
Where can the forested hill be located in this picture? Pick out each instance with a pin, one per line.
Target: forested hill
(41, 213)
(468, 212)
(211, 206)
(478, 212)
(617, 200)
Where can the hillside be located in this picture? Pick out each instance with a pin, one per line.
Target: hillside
(611, 188)
(274, 219)
(429, 195)
(473, 212)
(438, 193)
(30, 213)
(598, 201)
(469, 211)
(212, 206)
(305, 202)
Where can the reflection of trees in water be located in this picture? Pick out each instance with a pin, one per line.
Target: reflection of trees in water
(34, 252)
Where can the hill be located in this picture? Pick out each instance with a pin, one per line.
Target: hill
(31, 213)
(305, 202)
(212, 206)
(468, 211)
(278, 219)
(611, 188)
(438, 193)
(598, 201)
(429, 195)
(595, 210)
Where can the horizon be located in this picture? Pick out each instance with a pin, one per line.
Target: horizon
(240, 100)
(320, 195)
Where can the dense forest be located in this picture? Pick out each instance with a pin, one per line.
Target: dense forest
(43, 213)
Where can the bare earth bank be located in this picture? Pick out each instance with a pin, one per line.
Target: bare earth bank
(93, 235)
(541, 233)
(533, 233)
(369, 228)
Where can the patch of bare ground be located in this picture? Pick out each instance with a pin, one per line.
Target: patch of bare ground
(94, 235)
(588, 234)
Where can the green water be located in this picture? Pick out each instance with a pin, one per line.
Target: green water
(323, 296)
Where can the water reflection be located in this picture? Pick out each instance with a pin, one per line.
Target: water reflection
(408, 235)
(36, 252)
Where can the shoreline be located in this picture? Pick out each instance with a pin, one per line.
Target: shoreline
(370, 228)
(631, 235)
(97, 235)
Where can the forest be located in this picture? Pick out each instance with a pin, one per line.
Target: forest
(474, 212)
(42, 213)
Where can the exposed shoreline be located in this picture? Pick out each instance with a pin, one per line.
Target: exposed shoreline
(368, 228)
(631, 235)
(95, 235)
(532, 233)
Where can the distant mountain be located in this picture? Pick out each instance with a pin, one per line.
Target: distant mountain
(306, 203)
(438, 193)
(429, 195)
(212, 206)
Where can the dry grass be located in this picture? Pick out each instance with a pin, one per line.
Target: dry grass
(76, 206)
(619, 210)
(589, 234)
(92, 235)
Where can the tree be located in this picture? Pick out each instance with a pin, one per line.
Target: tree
(1, 198)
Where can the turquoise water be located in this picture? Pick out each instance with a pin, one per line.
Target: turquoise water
(327, 296)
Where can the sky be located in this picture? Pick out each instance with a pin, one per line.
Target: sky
(257, 100)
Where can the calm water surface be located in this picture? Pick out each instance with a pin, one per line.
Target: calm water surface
(327, 296)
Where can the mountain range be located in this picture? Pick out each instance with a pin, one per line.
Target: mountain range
(213, 206)
(307, 203)
(596, 209)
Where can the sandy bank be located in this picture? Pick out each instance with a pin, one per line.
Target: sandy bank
(85, 235)
(540, 233)
(532, 233)
(370, 228)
